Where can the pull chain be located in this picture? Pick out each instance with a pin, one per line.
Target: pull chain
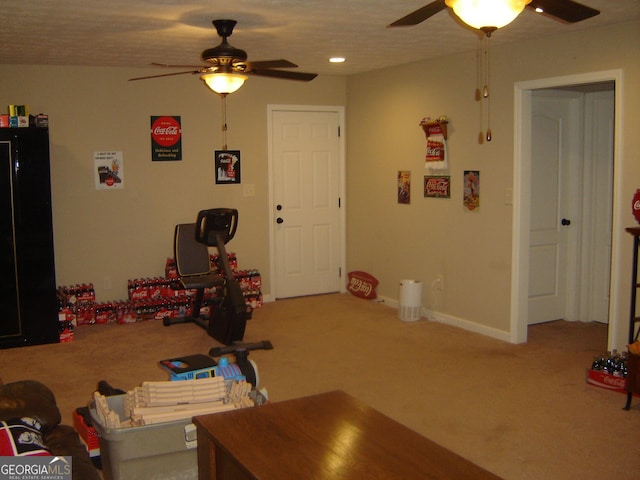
(487, 76)
(478, 92)
(224, 121)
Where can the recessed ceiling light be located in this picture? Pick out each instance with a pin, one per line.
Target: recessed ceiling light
(337, 59)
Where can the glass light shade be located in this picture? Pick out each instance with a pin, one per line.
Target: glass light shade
(223, 83)
(482, 14)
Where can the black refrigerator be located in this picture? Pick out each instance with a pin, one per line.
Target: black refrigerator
(28, 304)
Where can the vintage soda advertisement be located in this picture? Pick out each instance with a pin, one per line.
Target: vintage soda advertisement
(166, 138)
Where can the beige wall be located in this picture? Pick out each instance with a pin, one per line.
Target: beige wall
(433, 237)
(129, 233)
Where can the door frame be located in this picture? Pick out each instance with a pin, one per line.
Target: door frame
(522, 197)
(340, 110)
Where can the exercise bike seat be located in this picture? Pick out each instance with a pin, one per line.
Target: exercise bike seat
(192, 260)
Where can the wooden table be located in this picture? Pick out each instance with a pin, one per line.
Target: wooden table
(327, 436)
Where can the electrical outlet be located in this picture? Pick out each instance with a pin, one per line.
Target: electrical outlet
(438, 283)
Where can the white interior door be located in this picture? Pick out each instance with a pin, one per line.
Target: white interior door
(555, 137)
(306, 211)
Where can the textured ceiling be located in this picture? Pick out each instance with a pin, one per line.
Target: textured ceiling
(306, 32)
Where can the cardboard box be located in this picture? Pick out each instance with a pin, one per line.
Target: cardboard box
(152, 452)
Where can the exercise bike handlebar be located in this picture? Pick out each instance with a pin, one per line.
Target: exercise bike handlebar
(215, 225)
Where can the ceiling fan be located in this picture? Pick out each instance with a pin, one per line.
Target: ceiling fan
(489, 15)
(227, 61)
(566, 11)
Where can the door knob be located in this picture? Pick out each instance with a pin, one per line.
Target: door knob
(278, 207)
(279, 220)
(565, 222)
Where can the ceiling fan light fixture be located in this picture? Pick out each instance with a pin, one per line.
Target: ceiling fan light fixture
(484, 14)
(223, 83)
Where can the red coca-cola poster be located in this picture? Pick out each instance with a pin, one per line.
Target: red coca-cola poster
(166, 138)
(437, 186)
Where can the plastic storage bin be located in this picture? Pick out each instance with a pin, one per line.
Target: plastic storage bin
(410, 301)
(153, 452)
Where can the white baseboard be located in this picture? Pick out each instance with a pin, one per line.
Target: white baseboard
(447, 319)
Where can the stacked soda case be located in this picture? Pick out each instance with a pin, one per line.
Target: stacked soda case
(149, 299)
(72, 300)
(78, 294)
(149, 288)
(132, 311)
(612, 363)
(233, 262)
(609, 370)
(163, 288)
(251, 284)
(171, 271)
(152, 298)
(250, 280)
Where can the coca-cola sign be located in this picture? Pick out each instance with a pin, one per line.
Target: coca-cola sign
(635, 204)
(362, 284)
(605, 380)
(437, 186)
(166, 138)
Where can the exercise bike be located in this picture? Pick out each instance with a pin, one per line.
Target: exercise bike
(228, 310)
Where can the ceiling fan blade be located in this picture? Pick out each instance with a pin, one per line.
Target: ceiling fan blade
(269, 64)
(304, 77)
(564, 10)
(155, 64)
(420, 15)
(165, 75)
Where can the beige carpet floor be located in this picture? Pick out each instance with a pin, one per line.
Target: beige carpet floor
(520, 411)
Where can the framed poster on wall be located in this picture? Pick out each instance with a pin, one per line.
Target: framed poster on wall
(166, 138)
(471, 200)
(404, 186)
(227, 166)
(108, 170)
(437, 186)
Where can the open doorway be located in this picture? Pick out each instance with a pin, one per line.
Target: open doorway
(582, 248)
(571, 203)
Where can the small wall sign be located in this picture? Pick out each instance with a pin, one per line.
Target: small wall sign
(227, 166)
(437, 186)
(404, 186)
(108, 170)
(166, 138)
(471, 199)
